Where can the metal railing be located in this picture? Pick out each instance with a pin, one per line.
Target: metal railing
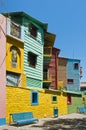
(47, 77)
(60, 85)
(14, 29)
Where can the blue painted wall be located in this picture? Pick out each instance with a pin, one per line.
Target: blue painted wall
(2, 121)
(74, 74)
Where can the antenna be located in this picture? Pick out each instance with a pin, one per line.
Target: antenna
(73, 53)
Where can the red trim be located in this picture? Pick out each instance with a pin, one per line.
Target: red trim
(69, 99)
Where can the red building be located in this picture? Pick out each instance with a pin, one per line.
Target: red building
(53, 68)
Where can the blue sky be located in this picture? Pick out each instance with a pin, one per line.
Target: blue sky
(65, 18)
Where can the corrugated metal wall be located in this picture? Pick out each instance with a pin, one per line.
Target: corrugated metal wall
(33, 83)
(53, 68)
(35, 46)
(31, 44)
(73, 74)
(62, 71)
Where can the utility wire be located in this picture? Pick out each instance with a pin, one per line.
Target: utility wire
(4, 59)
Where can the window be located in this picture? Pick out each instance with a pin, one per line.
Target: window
(33, 30)
(32, 59)
(14, 57)
(54, 99)
(34, 98)
(76, 65)
(70, 81)
(69, 99)
(12, 79)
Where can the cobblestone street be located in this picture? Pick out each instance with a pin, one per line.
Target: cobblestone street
(73, 121)
(66, 124)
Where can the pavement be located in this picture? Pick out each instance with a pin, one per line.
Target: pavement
(69, 121)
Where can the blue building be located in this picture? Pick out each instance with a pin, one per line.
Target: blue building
(73, 75)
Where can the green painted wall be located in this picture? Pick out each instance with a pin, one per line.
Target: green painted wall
(33, 83)
(34, 45)
(76, 102)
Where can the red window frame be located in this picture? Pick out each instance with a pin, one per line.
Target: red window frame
(69, 99)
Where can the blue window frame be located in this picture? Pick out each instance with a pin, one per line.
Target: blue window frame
(34, 98)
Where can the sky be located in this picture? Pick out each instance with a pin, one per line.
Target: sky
(65, 18)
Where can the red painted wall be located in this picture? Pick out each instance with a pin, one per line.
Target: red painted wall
(53, 68)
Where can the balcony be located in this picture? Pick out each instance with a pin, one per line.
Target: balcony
(49, 39)
(60, 85)
(47, 55)
(14, 30)
(47, 51)
(46, 77)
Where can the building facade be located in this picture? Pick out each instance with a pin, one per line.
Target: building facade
(2, 70)
(69, 72)
(33, 37)
(69, 77)
(83, 86)
(62, 73)
(28, 54)
(53, 68)
(49, 40)
(73, 75)
(33, 70)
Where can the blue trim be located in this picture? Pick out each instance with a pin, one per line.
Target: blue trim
(34, 98)
(2, 121)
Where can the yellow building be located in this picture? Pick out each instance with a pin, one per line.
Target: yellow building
(15, 62)
(20, 100)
